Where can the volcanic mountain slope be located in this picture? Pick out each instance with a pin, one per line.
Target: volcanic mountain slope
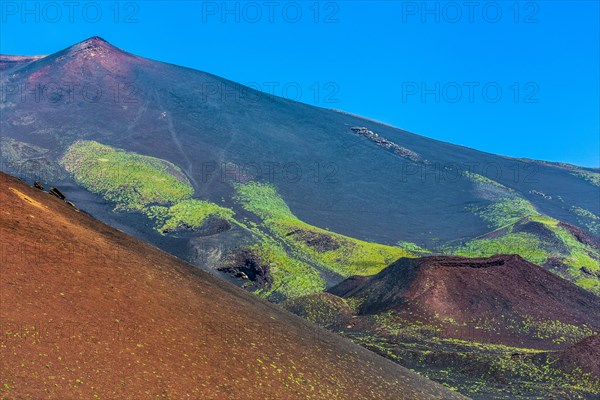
(584, 355)
(87, 311)
(356, 177)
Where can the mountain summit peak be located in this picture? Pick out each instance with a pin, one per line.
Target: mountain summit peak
(97, 49)
(94, 42)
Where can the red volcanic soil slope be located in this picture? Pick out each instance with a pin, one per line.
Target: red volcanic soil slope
(584, 355)
(464, 289)
(89, 312)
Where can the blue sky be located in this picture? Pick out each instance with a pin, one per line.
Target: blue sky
(514, 78)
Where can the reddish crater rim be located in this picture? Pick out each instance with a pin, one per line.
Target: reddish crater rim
(454, 261)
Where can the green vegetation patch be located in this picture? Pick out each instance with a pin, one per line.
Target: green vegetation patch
(580, 255)
(579, 259)
(587, 219)
(338, 253)
(506, 212)
(582, 212)
(130, 180)
(323, 309)
(413, 248)
(134, 182)
(263, 200)
(591, 177)
(291, 277)
(527, 245)
(557, 331)
(341, 254)
(479, 370)
(506, 208)
(591, 284)
(187, 215)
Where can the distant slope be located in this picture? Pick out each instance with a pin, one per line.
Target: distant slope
(338, 171)
(11, 62)
(87, 311)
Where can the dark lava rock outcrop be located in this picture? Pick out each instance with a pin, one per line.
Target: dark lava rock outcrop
(389, 145)
(319, 241)
(245, 264)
